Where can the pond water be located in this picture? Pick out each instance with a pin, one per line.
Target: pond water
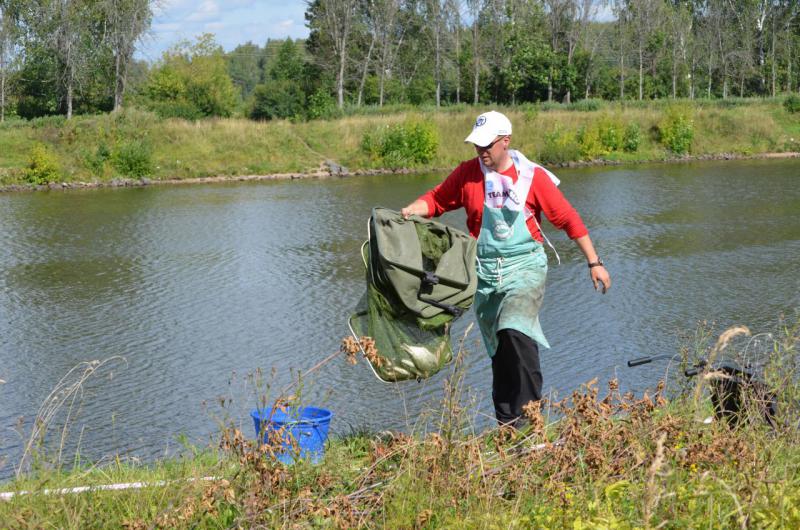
(196, 287)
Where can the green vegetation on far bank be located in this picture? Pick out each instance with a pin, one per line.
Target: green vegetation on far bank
(611, 460)
(138, 144)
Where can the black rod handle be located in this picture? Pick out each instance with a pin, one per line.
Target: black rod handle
(640, 361)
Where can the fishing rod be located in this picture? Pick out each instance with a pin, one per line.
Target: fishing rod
(732, 387)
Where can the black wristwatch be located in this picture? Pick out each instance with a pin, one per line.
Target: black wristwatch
(598, 263)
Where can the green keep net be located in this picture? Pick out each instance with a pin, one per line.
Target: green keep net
(420, 277)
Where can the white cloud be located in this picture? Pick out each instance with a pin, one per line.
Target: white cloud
(208, 10)
(286, 24)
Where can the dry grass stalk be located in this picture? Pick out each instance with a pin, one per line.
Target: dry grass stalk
(69, 392)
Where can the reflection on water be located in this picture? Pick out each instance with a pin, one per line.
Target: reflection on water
(195, 287)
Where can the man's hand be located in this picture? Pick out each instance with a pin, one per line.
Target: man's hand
(417, 207)
(600, 277)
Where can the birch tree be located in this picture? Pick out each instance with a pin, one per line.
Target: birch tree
(474, 10)
(126, 21)
(333, 20)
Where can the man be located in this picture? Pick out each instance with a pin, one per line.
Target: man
(504, 195)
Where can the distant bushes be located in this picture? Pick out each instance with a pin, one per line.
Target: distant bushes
(42, 166)
(676, 131)
(402, 145)
(598, 139)
(133, 158)
(560, 146)
(792, 103)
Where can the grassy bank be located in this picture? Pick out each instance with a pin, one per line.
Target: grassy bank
(138, 144)
(609, 461)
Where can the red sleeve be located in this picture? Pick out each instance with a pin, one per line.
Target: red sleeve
(447, 195)
(548, 199)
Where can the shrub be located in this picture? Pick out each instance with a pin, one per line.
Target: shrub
(587, 105)
(792, 103)
(321, 105)
(96, 161)
(591, 144)
(42, 166)
(632, 138)
(277, 99)
(530, 111)
(406, 144)
(677, 131)
(560, 146)
(133, 159)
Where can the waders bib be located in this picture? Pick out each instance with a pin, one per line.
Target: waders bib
(512, 265)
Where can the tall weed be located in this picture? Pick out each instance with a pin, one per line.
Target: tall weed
(560, 146)
(42, 166)
(677, 130)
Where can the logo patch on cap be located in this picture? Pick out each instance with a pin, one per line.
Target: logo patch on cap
(481, 120)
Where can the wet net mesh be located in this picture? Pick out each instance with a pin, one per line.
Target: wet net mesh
(420, 277)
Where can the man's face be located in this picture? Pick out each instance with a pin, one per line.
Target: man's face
(494, 153)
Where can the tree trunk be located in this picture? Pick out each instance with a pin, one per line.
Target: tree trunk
(621, 77)
(2, 82)
(69, 98)
(364, 72)
(119, 82)
(476, 63)
(437, 70)
(641, 74)
(550, 85)
(674, 80)
(340, 74)
(772, 53)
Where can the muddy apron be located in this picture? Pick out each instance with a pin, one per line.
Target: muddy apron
(512, 265)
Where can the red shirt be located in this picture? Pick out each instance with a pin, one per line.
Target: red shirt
(465, 187)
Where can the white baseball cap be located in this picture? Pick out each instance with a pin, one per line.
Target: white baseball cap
(488, 126)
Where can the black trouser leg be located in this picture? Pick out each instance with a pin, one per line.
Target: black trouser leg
(516, 375)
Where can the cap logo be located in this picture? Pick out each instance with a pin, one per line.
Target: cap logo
(481, 120)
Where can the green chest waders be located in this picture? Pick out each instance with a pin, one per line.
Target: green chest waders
(512, 265)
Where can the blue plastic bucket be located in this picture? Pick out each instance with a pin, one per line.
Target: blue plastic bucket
(307, 427)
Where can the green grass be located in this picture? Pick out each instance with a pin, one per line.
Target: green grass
(609, 461)
(231, 147)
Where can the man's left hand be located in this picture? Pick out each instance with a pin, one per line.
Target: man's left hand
(600, 278)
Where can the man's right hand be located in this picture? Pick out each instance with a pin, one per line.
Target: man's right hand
(417, 207)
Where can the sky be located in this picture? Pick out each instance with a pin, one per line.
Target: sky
(233, 22)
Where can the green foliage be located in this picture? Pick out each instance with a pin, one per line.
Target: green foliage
(133, 158)
(191, 82)
(321, 105)
(288, 63)
(601, 138)
(530, 111)
(245, 66)
(632, 138)
(277, 99)
(96, 161)
(560, 146)
(792, 103)
(591, 143)
(677, 131)
(587, 105)
(42, 166)
(402, 145)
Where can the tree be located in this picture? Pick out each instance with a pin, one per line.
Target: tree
(331, 23)
(474, 8)
(8, 48)
(191, 81)
(126, 21)
(245, 66)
